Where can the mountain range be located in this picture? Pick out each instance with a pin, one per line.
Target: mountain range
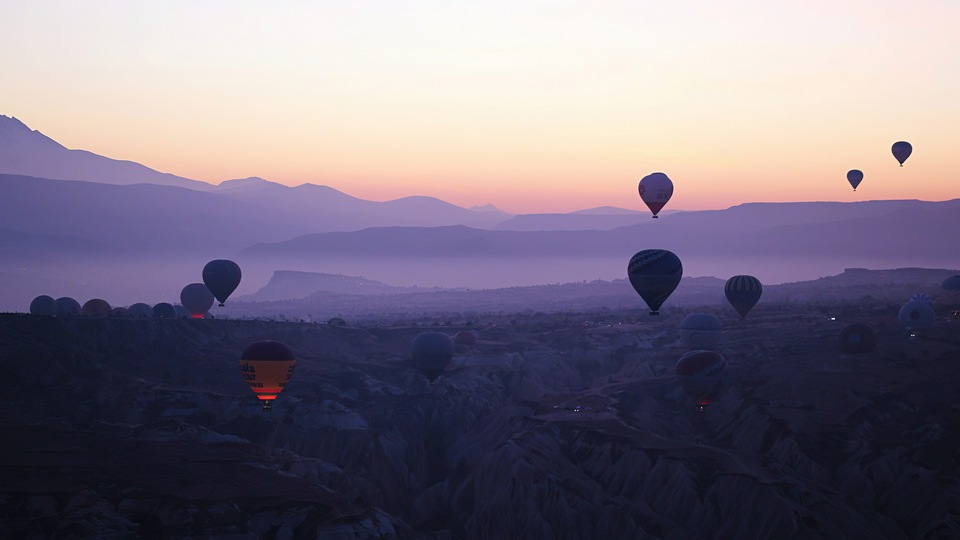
(85, 225)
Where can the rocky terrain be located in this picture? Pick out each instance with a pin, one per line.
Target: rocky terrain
(554, 425)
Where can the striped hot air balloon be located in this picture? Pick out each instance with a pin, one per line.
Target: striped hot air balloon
(699, 374)
(701, 331)
(654, 274)
(743, 292)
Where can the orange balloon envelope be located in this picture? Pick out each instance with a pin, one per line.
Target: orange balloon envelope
(267, 367)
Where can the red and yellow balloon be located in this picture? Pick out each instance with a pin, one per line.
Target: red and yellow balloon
(267, 367)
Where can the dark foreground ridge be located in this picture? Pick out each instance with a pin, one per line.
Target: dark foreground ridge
(552, 426)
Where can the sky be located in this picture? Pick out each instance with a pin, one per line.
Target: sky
(533, 106)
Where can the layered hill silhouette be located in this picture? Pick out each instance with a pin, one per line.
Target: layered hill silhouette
(29, 152)
(92, 226)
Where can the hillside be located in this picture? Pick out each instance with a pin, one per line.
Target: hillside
(551, 425)
(28, 152)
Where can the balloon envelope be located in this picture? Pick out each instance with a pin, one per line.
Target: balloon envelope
(197, 299)
(857, 337)
(431, 353)
(222, 278)
(655, 190)
(44, 305)
(95, 307)
(267, 367)
(465, 337)
(699, 374)
(140, 311)
(67, 307)
(164, 310)
(654, 274)
(336, 321)
(917, 314)
(701, 331)
(854, 176)
(951, 284)
(901, 150)
(743, 292)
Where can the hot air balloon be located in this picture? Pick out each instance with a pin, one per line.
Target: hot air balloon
(120, 312)
(267, 367)
(854, 176)
(336, 321)
(951, 284)
(699, 374)
(743, 292)
(95, 307)
(856, 338)
(901, 150)
(655, 190)
(140, 311)
(67, 307)
(44, 305)
(197, 299)
(222, 278)
(701, 331)
(164, 310)
(654, 274)
(465, 338)
(431, 353)
(917, 314)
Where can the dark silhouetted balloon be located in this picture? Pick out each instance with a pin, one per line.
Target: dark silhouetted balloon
(267, 367)
(44, 305)
(654, 274)
(465, 337)
(140, 311)
(336, 321)
(951, 284)
(854, 176)
(857, 338)
(901, 150)
(743, 292)
(431, 353)
(95, 307)
(701, 331)
(917, 314)
(197, 299)
(222, 278)
(67, 307)
(655, 190)
(120, 312)
(699, 374)
(164, 310)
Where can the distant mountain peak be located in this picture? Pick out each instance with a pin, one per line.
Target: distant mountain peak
(487, 208)
(14, 132)
(29, 152)
(252, 182)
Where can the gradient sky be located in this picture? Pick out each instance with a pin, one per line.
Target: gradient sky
(536, 106)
